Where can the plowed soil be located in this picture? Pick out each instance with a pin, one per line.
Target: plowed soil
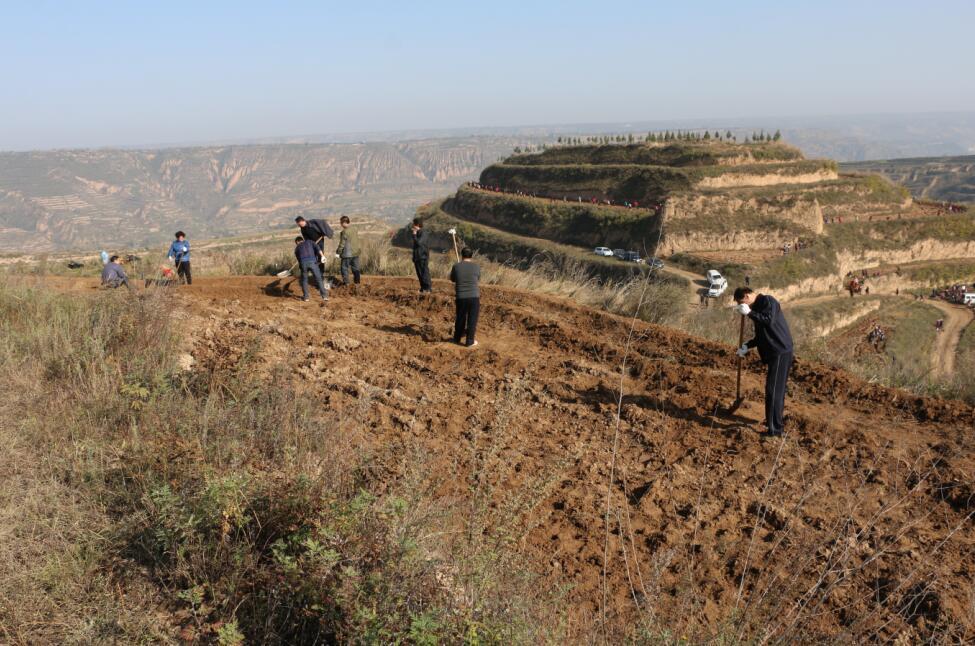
(857, 525)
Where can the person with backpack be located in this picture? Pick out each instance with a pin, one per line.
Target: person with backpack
(421, 256)
(466, 276)
(316, 231)
(309, 257)
(179, 253)
(348, 250)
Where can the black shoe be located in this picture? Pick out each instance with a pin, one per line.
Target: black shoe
(772, 434)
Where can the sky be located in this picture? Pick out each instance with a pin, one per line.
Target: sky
(92, 74)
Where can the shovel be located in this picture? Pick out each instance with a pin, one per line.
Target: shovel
(287, 272)
(738, 398)
(453, 235)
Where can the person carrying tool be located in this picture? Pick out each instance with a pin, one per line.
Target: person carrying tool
(421, 256)
(113, 275)
(309, 257)
(465, 275)
(316, 231)
(774, 342)
(179, 253)
(348, 250)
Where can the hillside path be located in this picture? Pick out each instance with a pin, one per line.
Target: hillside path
(957, 318)
(697, 282)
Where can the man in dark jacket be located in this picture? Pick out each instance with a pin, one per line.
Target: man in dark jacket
(421, 256)
(113, 275)
(309, 256)
(466, 275)
(774, 343)
(316, 231)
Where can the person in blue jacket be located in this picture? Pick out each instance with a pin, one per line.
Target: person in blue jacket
(309, 257)
(113, 276)
(774, 342)
(179, 253)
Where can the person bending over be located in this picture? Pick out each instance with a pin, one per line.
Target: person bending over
(113, 275)
(309, 257)
(348, 250)
(774, 342)
(316, 231)
(466, 275)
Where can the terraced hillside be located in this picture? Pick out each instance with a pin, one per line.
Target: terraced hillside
(676, 198)
(935, 178)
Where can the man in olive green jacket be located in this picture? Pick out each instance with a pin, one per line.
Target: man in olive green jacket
(348, 250)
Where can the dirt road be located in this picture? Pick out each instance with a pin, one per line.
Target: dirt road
(957, 318)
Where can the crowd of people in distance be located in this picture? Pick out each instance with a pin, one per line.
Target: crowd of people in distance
(309, 252)
(877, 336)
(578, 199)
(798, 245)
(954, 293)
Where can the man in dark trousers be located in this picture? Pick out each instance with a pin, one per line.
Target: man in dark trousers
(421, 256)
(774, 343)
(179, 253)
(309, 256)
(316, 231)
(348, 251)
(466, 275)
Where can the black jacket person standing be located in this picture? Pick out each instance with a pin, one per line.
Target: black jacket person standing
(316, 231)
(774, 343)
(421, 256)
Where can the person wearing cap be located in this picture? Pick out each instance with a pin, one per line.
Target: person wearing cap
(774, 342)
(316, 231)
(179, 253)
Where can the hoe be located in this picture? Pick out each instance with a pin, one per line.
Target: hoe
(287, 272)
(738, 398)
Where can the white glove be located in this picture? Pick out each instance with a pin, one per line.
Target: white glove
(452, 232)
(743, 350)
(743, 309)
(337, 256)
(171, 259)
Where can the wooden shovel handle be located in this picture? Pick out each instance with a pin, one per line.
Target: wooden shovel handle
(741, 342)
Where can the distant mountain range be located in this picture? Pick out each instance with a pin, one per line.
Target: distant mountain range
(932, 178)
(80, 199)
(84, 199)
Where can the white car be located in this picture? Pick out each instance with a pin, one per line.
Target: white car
(717, 284)
(603, 251)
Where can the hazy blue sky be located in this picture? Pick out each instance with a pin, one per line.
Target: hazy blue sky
(116, 73)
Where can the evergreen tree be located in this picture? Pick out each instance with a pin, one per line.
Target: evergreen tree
(559, 140)
(517, 150)
(707, 136)
(777, 136)
(728, 135)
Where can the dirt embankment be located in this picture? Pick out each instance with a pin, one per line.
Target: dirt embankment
(856, 525)
(735, 180)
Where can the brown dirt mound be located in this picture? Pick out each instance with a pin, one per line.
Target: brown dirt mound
(857, 525)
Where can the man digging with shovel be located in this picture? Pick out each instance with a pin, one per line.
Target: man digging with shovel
(774, 343)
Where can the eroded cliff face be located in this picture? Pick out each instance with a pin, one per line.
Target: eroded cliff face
(735, 180)
(797, 208)
(672, 243)
(76, 199)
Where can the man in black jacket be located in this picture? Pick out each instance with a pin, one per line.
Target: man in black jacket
(421, 256)
(316, 231)
(774, 343)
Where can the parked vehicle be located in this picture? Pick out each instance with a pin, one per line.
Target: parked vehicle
(620, 253)
(632, 256)
(717, 284)
(655, 263)
(968, 299)
(603, 251)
